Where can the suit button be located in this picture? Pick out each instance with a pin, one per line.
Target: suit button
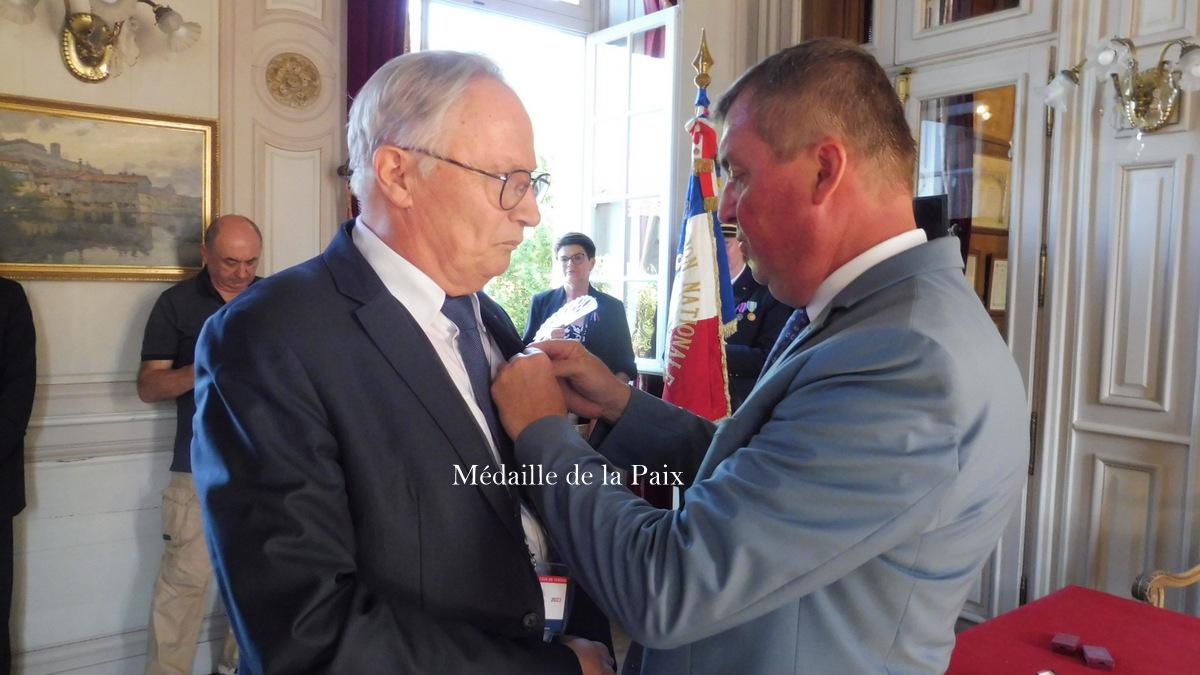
(531, 621)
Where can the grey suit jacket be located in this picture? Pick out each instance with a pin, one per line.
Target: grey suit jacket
(835, 523)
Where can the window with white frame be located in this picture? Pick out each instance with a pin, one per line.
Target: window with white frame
(601, 110)
(628, 160)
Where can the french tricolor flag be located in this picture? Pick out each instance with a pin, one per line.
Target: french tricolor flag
(701, 312)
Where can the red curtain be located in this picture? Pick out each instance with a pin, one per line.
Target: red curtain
(656, 38)
(375, 32)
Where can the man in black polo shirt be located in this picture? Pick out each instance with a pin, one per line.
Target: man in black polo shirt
(231, 248)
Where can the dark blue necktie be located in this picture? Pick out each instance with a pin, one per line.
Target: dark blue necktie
(796, 323)
(470, 346)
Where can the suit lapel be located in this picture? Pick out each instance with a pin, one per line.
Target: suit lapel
(406, 348)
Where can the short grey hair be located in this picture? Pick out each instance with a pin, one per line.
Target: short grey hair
(404, 103)
(827, 85)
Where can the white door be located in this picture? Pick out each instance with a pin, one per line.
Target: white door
(1120, 492)
(981, 141)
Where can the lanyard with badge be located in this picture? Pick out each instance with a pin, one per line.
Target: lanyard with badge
(555, 582)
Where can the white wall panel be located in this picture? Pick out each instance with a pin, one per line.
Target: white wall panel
(87, 553)
(89, 328)
(310, 7)
(1158, 15)
(263, 132)
(1138, 337)
(1138, 314)
(1155, 19)
(122, 654)
(1123, 501)
(293, 200)
(1127, 517)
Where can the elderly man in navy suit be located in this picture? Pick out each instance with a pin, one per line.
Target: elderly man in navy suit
(837, 521)
(339, 401)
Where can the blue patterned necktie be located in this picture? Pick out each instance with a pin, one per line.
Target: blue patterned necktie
(470, 346)
(796, 323)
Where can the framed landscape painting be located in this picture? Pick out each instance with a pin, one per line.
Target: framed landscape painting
(101, 193)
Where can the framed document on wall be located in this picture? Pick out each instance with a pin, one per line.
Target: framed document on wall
(997, 286)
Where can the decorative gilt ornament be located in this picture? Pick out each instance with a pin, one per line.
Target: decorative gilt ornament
(87, 46)
(703, 61)
(293, 80)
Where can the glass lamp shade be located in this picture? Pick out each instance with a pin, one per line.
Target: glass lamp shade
(1189, 68)
(1059, 91)
(1107, 57)
(167, 20)
(183, 37)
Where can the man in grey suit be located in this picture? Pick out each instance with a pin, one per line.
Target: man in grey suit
(837, 521)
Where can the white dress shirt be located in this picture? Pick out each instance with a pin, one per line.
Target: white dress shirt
(842, 276)
(423, 298)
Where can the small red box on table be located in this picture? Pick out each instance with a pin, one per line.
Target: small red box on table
(1098, 657)
(1065, 643)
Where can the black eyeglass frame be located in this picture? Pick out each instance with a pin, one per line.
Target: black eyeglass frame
(539, 182)
(578, 258)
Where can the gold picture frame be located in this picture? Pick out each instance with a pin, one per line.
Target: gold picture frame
(101, 193)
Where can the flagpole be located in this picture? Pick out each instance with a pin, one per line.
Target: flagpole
(701, 307)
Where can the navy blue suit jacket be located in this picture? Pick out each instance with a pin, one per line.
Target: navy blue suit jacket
(326, 435)
(607, 333)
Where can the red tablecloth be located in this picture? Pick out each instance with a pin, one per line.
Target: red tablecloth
(1142, 639)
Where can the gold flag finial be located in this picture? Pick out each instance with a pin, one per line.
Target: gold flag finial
(703, 61)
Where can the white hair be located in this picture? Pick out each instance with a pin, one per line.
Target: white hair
(404, 103)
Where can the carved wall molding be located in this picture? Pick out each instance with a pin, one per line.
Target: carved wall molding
(293, 80)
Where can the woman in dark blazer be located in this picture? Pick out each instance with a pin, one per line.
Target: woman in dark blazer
(604, 332)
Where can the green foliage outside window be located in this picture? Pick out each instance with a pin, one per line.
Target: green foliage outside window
(527, 275)
(645, 321)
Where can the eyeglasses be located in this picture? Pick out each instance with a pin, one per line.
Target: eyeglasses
(578, 258)
(514, 184)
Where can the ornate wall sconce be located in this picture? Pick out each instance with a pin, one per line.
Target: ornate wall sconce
(1146, 97)
(98, 35)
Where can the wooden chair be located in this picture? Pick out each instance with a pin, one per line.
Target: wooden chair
(1151, 587)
